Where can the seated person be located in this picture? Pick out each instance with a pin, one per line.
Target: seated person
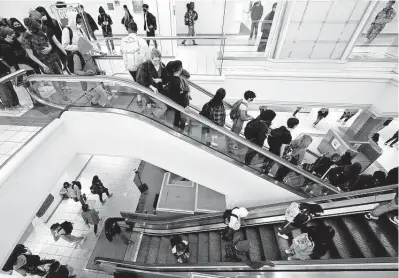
(19, 249)
(73, 191)
(84, 65)
(29, 264)
(180, 249)
(64, 231)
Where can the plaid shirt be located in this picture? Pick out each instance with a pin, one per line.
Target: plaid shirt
(37, 42)
(218, 114)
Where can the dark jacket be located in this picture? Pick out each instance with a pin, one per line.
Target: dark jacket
(267, 25)
(111, 227)
(277, 138)
(260, 130)
(126, 22)
(151, 20)
(363, 182)
(342, 177)
(91, 22)
(321, 165)
(146, 72)
(101, 19)
(12, 53)
(257, 12)
(175, 91)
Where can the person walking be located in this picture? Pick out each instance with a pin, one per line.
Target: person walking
(105, 21)
(98, 188)
(134, 51)
(383, 18)
(150, 24)
(189, 20)
(257, 131)
(265, 28)
(214, 110)
(127, 18)
(394, 139)
(90, 216)
(239, 115)
(321, 114)
(256, 15)
(89, 25)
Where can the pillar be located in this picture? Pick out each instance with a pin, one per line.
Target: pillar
(366, 124)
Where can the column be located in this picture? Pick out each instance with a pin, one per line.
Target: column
(166, 26)
(365, 125)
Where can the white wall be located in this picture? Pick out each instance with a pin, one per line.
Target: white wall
(27, 179)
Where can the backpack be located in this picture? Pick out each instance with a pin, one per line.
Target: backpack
(132, 55)
(78, 184)
(235, 110)
(82, 59)
(206, 110)
(195, 15)
(302, 244)
(250, 129)
(67, 227)
(294, 180)
(229, 213)
(277, 132)
(292, 211)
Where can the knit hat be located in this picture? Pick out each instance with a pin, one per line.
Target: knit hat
(243, 246)
(21, 261)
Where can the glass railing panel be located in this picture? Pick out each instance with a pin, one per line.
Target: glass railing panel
(102, 91)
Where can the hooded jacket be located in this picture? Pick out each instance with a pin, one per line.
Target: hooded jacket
(102, 18)
(67, 44)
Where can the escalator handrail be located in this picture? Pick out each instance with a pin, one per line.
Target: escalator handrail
(197, 117)
(12, 76)
(156, 220)
(306, 265)
(165, 38)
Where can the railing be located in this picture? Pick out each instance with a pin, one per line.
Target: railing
(196, 130)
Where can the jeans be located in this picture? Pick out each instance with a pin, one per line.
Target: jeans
(191, 33)
(100, 194)
(55, 68)
(254, 27)
(381, 209)
(152, 34)
(95, 228)
(236, 128)
(251, 153)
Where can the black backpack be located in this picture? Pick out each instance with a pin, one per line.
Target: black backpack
(229, 213)
(206, 110)
(67, 227)
(250, 131)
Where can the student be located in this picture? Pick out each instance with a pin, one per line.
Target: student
(278, 140)
(150, 24)
(29, 264)
(238, 251)
(70, 37)
(216, 113)
(57, 270)
(345, 160)
(344, 177)
(112, 228)
(239, 115)
(64, 231)
(105, 21)
(50, 23)
(265, 28)
(134, 51)
(297, 216)
(90, 216)
(180, 249)
(321, 114)
(18, 27)
(84, 64)
(189, 20)
(295, 154)
(394, 139)
(366, 181)
(127, 18)
(153, 75)
(313, 243)
(256, 15)
(98, 188)
(232, 218)
(73, 191)
(19, 249)
(257, 130)
(89, 24)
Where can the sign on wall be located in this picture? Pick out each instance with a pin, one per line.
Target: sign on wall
(137, 7)
(110, 6)
(335, 144)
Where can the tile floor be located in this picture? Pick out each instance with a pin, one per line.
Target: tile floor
(24, 100)
(117, 175)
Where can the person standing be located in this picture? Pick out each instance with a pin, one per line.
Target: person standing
(127, 18)
(217, 114)
(180, 249)
(232, 220)
(8, 96)
(90, 216)
(265, 28)
(394, 139)
(105, 21)
(189, 20)
(150, 24)
(50, 23)
(321, 114)
(89, 25)
(383, 17)
(112, 228)
(98, 188)
(19, 29)
(256, 15)
(134, 51)
(239, 115)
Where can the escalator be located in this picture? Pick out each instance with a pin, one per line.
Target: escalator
(124, 98)
(358, 244)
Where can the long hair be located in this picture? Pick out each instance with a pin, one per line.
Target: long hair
(101, 11)
(49, 22)
(218, 97)
(13, 20)
(302, 143)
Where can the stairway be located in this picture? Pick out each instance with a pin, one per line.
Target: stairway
(355, 237)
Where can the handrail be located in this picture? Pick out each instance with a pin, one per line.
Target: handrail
(197, 117)
(223, 37)
(12, 76)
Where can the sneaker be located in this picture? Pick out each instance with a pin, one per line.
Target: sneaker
(368, 216)
(283, 236)
(394, 220)
(214, 144)
(110, 195)
(288, 252)
(183, 43)
(195, 43)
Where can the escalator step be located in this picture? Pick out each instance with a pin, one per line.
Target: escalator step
(342, 239)
(382, 236)
(164, 250)
(143, 250)
(282, 244)
(154, 250)
(203, 247)
(361, 237)
(269, 243)
(223, 244)
(215, 254)
(255, 249)
(390, 230)
(193, 245)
